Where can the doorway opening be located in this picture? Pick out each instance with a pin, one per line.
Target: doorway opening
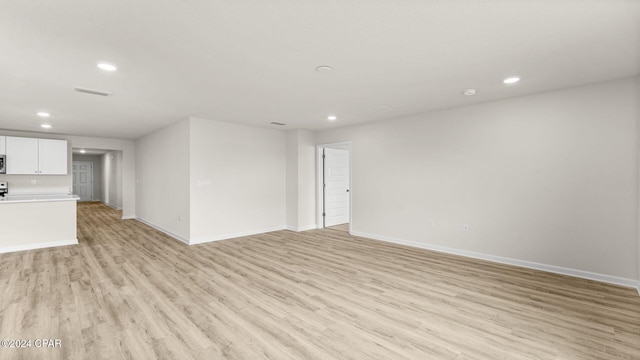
(97, 176)
(334, 186)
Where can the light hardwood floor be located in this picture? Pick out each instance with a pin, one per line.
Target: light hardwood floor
(128, 291)
(341, 227)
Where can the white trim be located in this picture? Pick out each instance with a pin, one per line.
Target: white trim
(236, 235)
(44, 245)
(177, 237)
(129, 217)
(308, 227)
(509, 261)
(302, 228)
(111, 206)
(319, 182)
(209, 238)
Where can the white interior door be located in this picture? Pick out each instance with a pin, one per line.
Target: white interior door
(83, 180)
(336, 187)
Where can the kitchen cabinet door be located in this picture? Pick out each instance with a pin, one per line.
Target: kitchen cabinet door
(52, 157)
(3, 146)
(22, 156)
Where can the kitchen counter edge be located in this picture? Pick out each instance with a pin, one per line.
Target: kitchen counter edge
(15, 199)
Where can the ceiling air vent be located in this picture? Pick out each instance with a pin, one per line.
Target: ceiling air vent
(92, 91)
(277, 123)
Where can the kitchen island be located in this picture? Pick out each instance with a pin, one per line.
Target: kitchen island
(37, 221)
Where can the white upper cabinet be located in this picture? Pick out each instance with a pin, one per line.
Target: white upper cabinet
(27, 156)
(3, 146)
(52, 157)
(22, 155)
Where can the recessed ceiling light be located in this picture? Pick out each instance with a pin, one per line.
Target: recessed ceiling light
(83, 151)
(469, 92)
(511, 80)
(43, 114)
(46, 126)
(107, 67)
(332, 118)
(324, 69)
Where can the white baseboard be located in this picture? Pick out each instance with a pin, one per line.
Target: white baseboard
(509, 261)
(207, 239)
(111, 206)
(301, 228)
(129, 217)
(44, 245)
(307, 227)
(175, 236)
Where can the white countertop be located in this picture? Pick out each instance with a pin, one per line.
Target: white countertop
(12, 199)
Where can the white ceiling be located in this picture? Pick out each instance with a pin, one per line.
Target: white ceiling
(253, 61)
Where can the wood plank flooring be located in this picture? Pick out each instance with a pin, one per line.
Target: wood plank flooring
(130, 292)
(341, 227)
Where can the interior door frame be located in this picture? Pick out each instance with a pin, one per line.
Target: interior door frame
(320, 182)
(92, 173)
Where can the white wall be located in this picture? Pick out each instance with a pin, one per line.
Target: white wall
(292, 179)
(162, 168)
(238, 179)
(97, 173)
(301, 180)
(550, 178)
(112, 179)
(306, 180)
